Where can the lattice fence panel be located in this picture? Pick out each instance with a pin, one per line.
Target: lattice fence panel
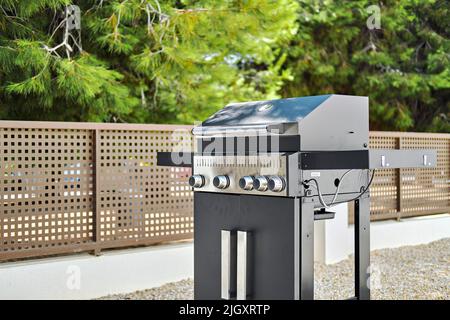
(138, 200)
(46, 189)
(426, 190)
(71, 187)
(397, 193)
(383, 191)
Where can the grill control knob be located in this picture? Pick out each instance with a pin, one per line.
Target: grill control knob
(221, 182)
(260, 183)
(197, 181)
(246, 183)
(277, 184)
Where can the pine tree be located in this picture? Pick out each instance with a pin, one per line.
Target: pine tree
(179, 61)
(141, 60)
(403, 66)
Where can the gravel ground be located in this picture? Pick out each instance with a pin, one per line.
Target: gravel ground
(410, 272)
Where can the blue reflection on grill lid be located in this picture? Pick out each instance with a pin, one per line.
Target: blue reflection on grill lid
(265, 112)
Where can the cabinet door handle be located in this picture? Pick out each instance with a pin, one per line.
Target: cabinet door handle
(225, 264)
(242, 265)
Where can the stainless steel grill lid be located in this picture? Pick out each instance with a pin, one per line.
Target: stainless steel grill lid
(265, 112)
(279, 116)
(325, 122)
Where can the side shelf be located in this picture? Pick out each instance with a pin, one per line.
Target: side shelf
(389, 159)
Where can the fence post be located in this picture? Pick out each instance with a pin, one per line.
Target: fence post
(96, 196)
(399, 183)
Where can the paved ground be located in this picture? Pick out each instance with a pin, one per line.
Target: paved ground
(412, 272)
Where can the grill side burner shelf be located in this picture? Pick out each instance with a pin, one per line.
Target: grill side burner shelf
(263, 172)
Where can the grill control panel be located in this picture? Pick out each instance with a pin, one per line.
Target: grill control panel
(258, 174)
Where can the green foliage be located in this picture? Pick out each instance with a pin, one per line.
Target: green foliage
(403, 67)
(181, 60)
(143, 60)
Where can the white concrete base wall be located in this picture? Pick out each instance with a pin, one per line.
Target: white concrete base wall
(406, 232)
(85, 276)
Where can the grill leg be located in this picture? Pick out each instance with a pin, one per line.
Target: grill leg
(362, 248)
(307, 249)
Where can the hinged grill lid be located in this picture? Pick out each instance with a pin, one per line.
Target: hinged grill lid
(265, 112)
(326, 122)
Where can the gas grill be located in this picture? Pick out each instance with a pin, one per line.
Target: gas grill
(263, 172)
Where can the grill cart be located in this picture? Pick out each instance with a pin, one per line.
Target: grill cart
(263, 172)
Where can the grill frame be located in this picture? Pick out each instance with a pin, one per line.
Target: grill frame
(324, 145)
